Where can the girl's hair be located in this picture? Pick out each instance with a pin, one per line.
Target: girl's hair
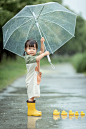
(30, 43)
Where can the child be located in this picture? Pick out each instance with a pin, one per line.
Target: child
(32, 60)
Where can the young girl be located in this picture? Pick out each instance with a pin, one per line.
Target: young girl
(32, 60)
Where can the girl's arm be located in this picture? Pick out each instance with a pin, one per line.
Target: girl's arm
(38, 58)
(42, 45)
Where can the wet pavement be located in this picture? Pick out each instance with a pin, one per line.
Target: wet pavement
(61, 89)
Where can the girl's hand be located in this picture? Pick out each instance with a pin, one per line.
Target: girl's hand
(42, 39)
(47, 53)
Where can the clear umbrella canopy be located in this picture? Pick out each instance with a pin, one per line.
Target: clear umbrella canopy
(49, 20)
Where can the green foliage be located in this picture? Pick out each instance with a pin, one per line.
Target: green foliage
(8, 8)
(45, 1)
(11, 70)
(79, 62)
(5, 15)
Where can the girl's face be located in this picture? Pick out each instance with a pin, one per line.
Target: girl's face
(31, 50)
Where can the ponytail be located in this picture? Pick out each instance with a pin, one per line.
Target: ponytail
(24, 53)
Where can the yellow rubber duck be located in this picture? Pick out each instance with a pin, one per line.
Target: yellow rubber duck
(82, 113)
(64, 113)
(71, 113)
(55, 112)
(76, 113)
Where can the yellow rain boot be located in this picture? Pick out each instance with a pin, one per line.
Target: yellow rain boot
(35, 105)
(32, 110)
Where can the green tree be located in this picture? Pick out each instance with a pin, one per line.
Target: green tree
(45, 1)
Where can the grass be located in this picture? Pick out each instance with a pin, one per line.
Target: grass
(11, 70)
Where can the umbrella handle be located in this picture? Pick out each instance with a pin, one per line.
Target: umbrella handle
(48, 57)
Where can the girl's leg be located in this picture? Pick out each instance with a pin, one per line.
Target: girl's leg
(31, 99)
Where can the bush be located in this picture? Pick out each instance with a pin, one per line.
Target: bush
(79, 62)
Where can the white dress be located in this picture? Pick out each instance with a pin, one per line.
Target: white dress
(33, 90)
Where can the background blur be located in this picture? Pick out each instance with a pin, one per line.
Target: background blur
(12, 66)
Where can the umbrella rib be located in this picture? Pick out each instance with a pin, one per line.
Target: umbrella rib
(58, 25)
(40, 11)
(46, 39)
(21, 16)
(58, 11)
(58, 18)
(15, 53)
(14, 18)
(16, 29)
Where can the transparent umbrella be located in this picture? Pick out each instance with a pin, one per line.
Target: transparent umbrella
(49, 20)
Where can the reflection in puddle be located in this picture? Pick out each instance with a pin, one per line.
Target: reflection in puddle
(56, 117)
(31, 123)
(64, 117)
(82, 117)
(76, 117)
(71, 117)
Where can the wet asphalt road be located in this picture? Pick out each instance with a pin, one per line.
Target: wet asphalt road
(61, 89)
